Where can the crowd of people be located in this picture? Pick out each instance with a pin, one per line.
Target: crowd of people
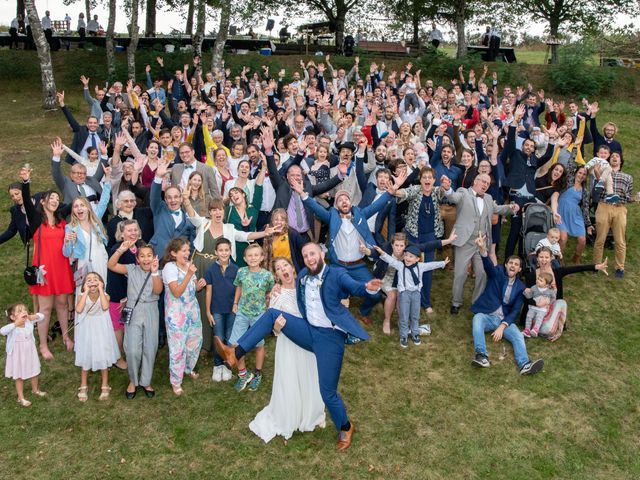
(205, 210)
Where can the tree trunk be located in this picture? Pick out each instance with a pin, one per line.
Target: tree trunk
(111, 55)
(339, 26)
(416, 29)
(133, 45)
(87, 9)
(221, 37)
(189, 29)
(554, 26)
(150, 26)
(198, 38)
(44, 55)
(460, 25)
(20, 7)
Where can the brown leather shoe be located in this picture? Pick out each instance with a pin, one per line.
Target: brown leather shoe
(344, 438)
(227, 353)
(366, 320)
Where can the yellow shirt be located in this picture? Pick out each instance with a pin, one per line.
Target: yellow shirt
(280, 247)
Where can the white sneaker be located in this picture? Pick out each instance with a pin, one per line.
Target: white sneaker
(226, 373)
(217, 373)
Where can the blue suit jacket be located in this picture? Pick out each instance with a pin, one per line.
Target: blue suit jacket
(359, 218)
(164, 227)
(493, 294)
(336, 286)
(368, 190)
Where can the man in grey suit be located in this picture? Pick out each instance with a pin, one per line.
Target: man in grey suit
(475, 209)
(181, 171)
(78, 184)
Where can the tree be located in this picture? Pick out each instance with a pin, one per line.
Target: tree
(336, 12)
(578, 15)
(412, 12)
(150, 26)
(133, 44)
(198, 38)
(111, 56)
(19, 7)
(221, 36)
(44, 56)
(189, 29)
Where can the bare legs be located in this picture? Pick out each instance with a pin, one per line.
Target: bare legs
(389, 307)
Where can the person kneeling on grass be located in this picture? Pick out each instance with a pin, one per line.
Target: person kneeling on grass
(497, 308)
(410, 272)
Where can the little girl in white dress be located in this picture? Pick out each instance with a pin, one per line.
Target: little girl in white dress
(22, 358)
(295, 402)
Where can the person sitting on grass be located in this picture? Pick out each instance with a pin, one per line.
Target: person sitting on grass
(496, 310)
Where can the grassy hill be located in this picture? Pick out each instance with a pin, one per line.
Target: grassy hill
(423, 413)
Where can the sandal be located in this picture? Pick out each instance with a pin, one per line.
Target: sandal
(177, 390)
(39, 393)
(82, 394)
(24, 402)
(104, 393)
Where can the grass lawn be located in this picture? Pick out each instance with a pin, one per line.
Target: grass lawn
(423, 413)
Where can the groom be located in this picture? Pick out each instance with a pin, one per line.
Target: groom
(323, 329)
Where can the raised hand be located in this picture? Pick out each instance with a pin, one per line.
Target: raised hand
(163, 168)
(481, 242)
(56, 147)
(191, 269)
(445, 183)
(246, 221)
(85, 81)
(60, 97)
(155, 264)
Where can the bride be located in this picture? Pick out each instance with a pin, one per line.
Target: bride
(295, 397)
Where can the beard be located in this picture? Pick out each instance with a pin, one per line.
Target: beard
(318, 268)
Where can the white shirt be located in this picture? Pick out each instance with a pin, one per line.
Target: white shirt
(316, 315)
(479, 202)
(93, 26)
(89, 143)
(347, 242)
(46, 23)
(188, 170)
(81, 24)
(268, 196)
(14, 23)
(435, 34)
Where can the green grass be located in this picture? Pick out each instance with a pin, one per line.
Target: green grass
(423, 413)
(531, 56)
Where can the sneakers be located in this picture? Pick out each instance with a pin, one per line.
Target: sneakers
(619, 273)
(217, 373)
(599, 186)
(243, 382)
(255, 383)
(534, 332)
(526, 333)
(226, 374)
(404, 343)
(613, 198)
(531, 368)
(480, 361)
(424, 329)
(416, 339)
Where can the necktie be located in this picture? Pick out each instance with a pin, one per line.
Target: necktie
(414, 276)
(186, 131)
(83, 192)
(298, 207)
(93, 141)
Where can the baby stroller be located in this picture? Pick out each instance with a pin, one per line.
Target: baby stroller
(537, 219)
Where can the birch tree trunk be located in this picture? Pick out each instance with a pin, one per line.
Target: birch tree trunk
(189, 29)
(460, 20)
(198, 38)
(133, 45)
(87, 9)
(44, 56)
(221, 37)
(111, 56)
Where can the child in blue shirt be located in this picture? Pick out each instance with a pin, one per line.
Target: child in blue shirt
(220, 278)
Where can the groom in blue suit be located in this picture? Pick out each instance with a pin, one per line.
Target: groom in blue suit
(324, 328)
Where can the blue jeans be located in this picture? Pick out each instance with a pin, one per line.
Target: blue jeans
(409, 304)
(222, 329)
(241, 324)
(483, 323)
(361, 273)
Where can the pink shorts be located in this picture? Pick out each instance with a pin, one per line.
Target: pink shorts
(115, 308)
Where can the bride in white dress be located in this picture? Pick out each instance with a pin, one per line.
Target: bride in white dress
(295, 402)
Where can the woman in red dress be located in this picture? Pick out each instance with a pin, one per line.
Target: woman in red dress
(47, 226)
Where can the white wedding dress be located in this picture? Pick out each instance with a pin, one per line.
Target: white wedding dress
(295, 402)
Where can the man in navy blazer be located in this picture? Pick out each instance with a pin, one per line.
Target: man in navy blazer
(324, 328)
(370, 193)
(83, 135)
(348, 231)
(169, 219)
(497, 309)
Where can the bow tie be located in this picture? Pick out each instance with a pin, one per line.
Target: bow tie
(188, 166)
(175, 212)
(479, 195)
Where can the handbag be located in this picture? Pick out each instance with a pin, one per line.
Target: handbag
(31, 271)
(127, 312)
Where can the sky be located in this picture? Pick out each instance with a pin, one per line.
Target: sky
(168, 20)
